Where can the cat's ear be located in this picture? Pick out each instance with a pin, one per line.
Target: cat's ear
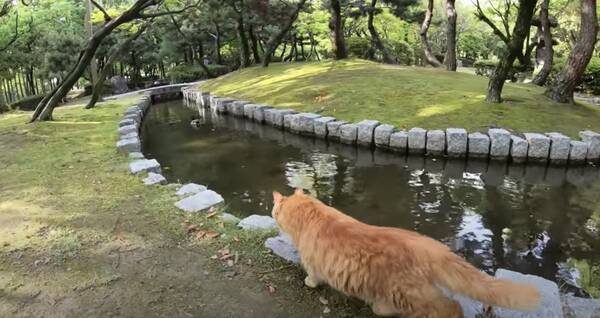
(299, 191)
(277, 197)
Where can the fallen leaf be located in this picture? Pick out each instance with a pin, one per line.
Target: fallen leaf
(230, 263)
(214, 257)
(192, 228)
(270, 288)
(235, 238)
(200, 235)
(211, 214)
(212, 234)
(222, 225)
(326, 310)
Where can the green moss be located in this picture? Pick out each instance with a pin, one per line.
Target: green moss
(403, 96)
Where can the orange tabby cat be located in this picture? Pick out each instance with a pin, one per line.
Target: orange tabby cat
(395, 271)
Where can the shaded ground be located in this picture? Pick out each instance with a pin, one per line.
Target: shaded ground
(79, 237)
(403, 96)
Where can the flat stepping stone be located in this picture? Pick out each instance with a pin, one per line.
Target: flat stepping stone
(230, 218)
(199, 201)
(144, 165)
(125, 130)
(282, 246)
(136, 155)
(155, 178)
(128, 145)
(258, 222)
(581, 307)
(190, 189)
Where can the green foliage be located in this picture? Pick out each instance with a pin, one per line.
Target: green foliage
(591, 77)
(189, 73)
(403, 52)
(358, 47)
(590, 276)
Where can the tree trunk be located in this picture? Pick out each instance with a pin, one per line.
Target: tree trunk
(375, 38)
(244, 49)
(515, 46)
(254, 42)
(429, 57)
(218, 44)
(276, 39)
(336, 27)
(450, 59)
(542, 76)
(569, 77)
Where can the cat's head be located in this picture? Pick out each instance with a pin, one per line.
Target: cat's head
(282, 208)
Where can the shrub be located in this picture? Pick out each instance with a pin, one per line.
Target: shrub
(484, 67)
(189, 73)
(27, 103)
(403, 52)
(590, 83)
(358, 47)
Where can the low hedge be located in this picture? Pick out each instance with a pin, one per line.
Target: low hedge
(27, 103)
(188, 73)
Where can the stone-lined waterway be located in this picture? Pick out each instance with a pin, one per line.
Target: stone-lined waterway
(527, 218)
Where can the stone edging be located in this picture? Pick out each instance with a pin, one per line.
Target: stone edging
(498, 144)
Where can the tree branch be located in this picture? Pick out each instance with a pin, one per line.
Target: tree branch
(160, 14)
(15, 35)
(481, 16)
(106, 15)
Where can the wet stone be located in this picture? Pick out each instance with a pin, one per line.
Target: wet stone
(127, 122)
(125, 146)
(581, 307)
(366, 132)
(593, 141)
(417, 140)
(258, 222)
(499, 143)
(304, 123)
(334, 131)
(222, 105)
(144, 165)
(539, 147)
(382, 135)
(456, 142)
(249, 110)
(237, 107)
(578, 151)
(282, 246)
(436, 142)
(199, 201)
(518, 149)
(154, 178)
(479, 145)
(279, 115)
(259, 113)
(131, 135)
(321, 126)
(230, 218)
(189, 189)
(560, 146)
(399, 141)
(269, 114)
(348, 133)
(287, 121)
(136, 155)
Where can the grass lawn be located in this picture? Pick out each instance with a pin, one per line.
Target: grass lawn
(403, 96)
(80, 237)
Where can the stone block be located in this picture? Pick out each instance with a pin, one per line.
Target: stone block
(222, 105)
(417, 138)
(456, 142)
(258, 222)
(199, 201)
(578, 151)
(366, 132)
(436, 142)
(304, 123)
(237, 107)
(249, 110)
(278, 116)
(144, 165)
(499, 143)
(581, 307)
(126, 146)
(259, 113)
(190, 189)
(539, 147)
(560, 145)
(127, 122)
(334, 131)
(382, 134)
(399, 141)
(136, 155)
(348, 133)
(479, 145)
(154, 178)
(518, 149)
(320, 126)
(593, 141)
(125, 130)
(283, 247)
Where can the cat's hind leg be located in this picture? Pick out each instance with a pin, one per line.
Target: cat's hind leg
(428, 302)
(311, 279)
(384, 309)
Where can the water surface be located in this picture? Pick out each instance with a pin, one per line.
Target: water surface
(526, 218)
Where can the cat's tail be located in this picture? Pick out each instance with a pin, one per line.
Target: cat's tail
(461, 277)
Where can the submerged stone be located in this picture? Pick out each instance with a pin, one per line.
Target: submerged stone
(258, 222)
(199, 201)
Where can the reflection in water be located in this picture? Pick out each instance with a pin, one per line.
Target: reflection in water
(528, 218)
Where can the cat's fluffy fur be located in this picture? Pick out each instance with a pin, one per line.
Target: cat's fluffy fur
(394, 270)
